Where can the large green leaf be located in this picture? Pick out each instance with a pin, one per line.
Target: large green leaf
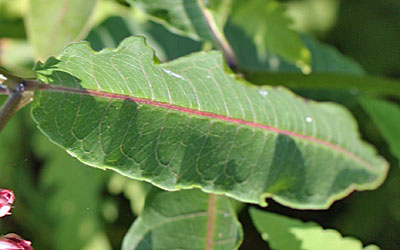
(189, 123)
(187, 219)
(53, 24)
(265, 22)
(386, 117)
(286, 233)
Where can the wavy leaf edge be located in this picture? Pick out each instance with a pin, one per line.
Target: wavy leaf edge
(262, 198)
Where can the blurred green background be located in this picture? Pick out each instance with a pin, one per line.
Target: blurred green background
(62, 204)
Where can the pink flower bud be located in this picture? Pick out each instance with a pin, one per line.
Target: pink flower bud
(14, 242)
(6, 201)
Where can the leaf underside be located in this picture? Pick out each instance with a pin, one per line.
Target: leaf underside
(189, 123)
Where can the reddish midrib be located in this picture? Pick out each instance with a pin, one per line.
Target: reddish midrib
(328, 144)
(210, 220)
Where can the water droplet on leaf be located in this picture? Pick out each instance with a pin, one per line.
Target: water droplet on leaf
(263, 92)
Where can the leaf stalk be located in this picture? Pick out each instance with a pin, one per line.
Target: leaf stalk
(219, 37)
(18, 97)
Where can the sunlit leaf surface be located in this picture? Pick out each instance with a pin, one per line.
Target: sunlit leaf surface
(190, 123)
(283, 232)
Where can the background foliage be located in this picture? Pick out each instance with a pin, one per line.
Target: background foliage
(48, 182)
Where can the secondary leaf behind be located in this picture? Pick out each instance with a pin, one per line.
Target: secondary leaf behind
(386, 117)
(188, 219)
(286, 233)
(51, 25)
(183, 17)
(265, 22)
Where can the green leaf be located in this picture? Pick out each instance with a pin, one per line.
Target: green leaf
(313, 16)
(180, 17)
(168, 46)
(133, 190)
(386, 117)
(356, 85)
(205, 21)
(51, 25)
(265, 22)
(189, 123)
(188, 219)
(11, 19)
(197, 19)
(283, 233)
(325, 58)
(17, 57)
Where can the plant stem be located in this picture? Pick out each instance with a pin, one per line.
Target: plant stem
(18, 96)
(4, 90)
(219, 38)
(11, 106)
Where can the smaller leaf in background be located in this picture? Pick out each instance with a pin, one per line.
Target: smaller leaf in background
(51, 25)
(11, 18)
(325, 58)
(330, 82)
(220, 10)
(108, 8)
(180, 17)
(17, 57)
(386, 117)
(114, 29)
(266, 23)
(133, 190)
(197, 19)
(188, 219)
(283, 233)
(313, 16)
